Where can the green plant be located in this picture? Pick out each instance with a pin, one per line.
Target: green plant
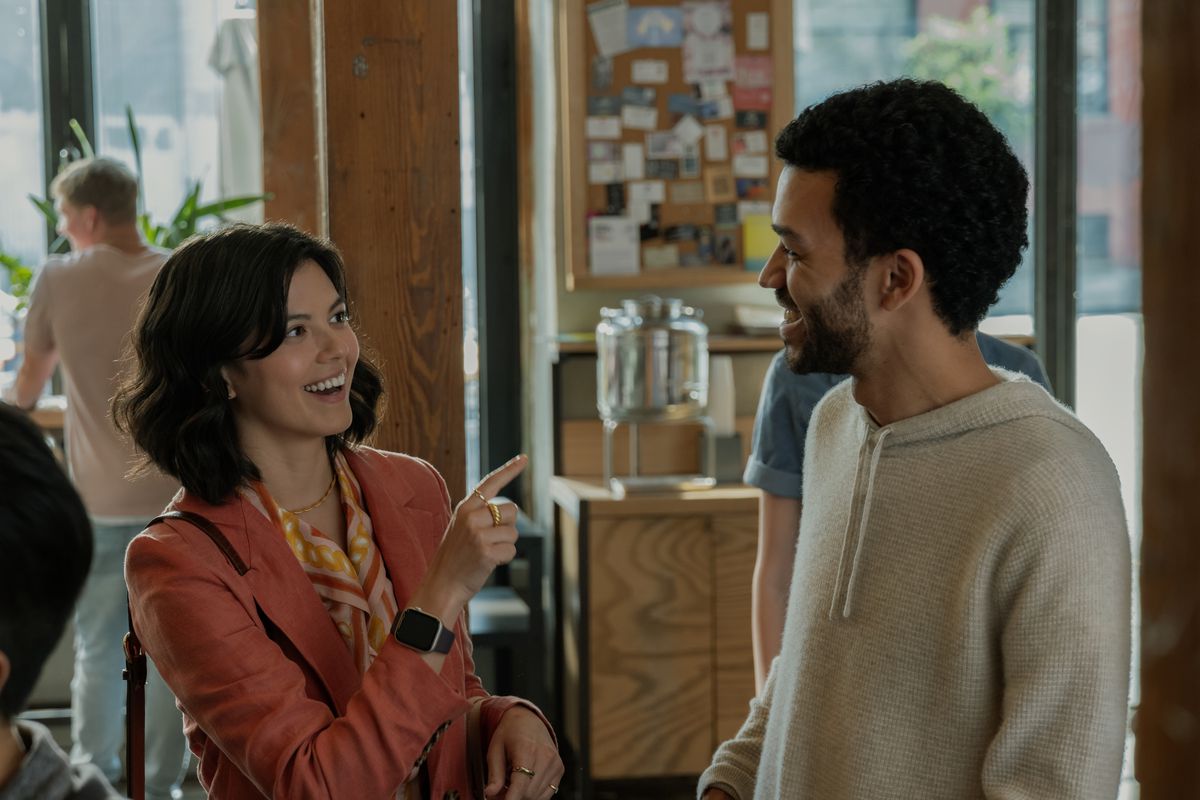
(19, 278)
(168, 235)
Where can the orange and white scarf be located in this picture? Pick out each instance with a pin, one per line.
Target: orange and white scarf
(355, 588)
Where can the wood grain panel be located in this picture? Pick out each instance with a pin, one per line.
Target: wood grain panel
(391, 116)
(650, 659)
(735, 543)
(1168, 734)
(288, 112)
(572, 633)
(572, 100)
(665, 449)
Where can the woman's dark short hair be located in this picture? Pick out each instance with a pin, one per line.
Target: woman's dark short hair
(219, 298)
(920, 167)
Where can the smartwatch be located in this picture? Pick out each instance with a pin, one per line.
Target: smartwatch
(422, 632)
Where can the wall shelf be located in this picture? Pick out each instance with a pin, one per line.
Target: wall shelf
(720, 343)
(677, 276)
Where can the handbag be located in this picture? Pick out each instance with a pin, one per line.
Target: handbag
(135, 694)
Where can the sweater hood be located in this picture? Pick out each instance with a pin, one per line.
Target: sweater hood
(1015, 397)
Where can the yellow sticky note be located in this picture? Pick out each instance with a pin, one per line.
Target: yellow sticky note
(758, 241)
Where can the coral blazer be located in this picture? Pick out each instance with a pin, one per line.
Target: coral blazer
(272, 702)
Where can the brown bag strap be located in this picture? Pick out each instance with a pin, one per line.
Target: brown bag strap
(208, 529)
(135, 664)
(135, 713)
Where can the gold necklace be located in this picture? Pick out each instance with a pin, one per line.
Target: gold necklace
(324, 497)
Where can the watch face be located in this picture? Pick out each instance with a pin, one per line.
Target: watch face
(418, 629)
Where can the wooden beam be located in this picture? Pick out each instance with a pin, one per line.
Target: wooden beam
(1168, 722)
(289, 137)
(390, 131)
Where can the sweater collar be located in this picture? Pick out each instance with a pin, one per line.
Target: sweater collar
(1015, 397)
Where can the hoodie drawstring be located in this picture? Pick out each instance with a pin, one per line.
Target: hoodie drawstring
(863, 518)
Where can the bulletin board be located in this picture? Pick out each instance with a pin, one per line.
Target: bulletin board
(670, 112)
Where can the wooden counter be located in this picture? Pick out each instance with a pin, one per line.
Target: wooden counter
(657, 661)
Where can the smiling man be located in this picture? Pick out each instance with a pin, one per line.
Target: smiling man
(958, 622)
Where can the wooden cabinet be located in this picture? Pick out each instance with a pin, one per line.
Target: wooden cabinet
(657, 660)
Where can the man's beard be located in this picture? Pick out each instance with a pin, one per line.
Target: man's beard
(837, 331)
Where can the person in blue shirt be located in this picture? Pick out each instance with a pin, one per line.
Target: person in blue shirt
(776, 466)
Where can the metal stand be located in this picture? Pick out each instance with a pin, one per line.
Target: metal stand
(635, 482)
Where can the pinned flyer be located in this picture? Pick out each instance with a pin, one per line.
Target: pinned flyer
(716, 143)
(614, 245)
(758, 27)
(609, 22)
(655, 26)
(650, 70)
(708, 41)
(688, 130)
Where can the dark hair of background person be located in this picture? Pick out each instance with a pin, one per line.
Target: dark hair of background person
(221, 297)
(46, 541)
(103, 183)
(919, 167)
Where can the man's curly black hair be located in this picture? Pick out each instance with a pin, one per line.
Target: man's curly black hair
(920, 167)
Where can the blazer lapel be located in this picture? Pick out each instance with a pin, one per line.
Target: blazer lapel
(402, 532)
(286, 597)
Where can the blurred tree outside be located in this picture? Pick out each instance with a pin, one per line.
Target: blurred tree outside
(975, 57)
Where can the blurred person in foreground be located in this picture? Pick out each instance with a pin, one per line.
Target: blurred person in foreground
(959, 620)
(81, 310)
(322, 651)
(47, 546)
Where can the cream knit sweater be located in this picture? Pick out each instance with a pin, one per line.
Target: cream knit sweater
(958, 625)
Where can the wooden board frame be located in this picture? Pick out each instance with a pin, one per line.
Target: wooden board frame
(574, 46)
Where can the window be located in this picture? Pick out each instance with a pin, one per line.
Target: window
(187, 68)
(178, 111)
(986, 54)
(23, 231)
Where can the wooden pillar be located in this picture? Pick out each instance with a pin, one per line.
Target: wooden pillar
(1168, 723)
(390, 115)
(288, 113)
(360, 121)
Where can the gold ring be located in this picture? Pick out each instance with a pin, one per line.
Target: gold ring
(496, 520)
(524, 771)
(477, 494)
(553, 789)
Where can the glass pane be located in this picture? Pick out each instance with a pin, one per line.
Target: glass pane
(22, 228)
(1108, 368)
(984, 50)
(189, 71)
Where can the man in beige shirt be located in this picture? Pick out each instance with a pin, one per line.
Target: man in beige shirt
(81, 311)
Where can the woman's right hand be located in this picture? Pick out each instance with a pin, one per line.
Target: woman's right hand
(473, 546)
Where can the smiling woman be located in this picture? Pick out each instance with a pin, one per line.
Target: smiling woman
(336, 624)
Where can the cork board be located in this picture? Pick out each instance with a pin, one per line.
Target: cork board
(674, 130)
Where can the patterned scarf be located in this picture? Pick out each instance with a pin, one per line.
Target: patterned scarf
(355, 589)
